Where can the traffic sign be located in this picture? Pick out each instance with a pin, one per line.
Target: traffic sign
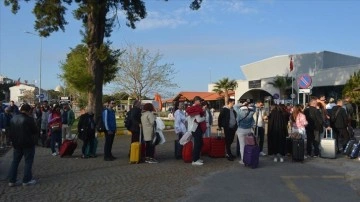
(293, 96)
(306, 90)
(276, 96)
(304, 81)
(41, 96)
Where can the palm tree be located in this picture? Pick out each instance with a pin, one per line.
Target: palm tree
(224, 86)
(282, 83)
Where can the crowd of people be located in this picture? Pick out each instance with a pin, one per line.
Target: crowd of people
(310, 122)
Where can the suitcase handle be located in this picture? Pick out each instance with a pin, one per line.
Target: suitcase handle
(331, 133)
(218, 134)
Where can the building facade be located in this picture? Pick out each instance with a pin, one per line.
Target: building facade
(328, 71)
(26, 93)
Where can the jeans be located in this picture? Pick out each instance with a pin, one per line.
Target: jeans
(207, 132)
(28, 154)
(88, 142)
(261, 135)
(313, 140)
(55, 138)
(198, 143)
(229, 138)
(109, 140)
(150, 149)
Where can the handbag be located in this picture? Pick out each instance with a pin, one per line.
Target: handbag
(295, 135)
(55, 127)
(250, 139)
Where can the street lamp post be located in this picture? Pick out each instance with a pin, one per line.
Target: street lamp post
(40, 62)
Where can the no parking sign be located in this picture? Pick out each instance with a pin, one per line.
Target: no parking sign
(304, 81)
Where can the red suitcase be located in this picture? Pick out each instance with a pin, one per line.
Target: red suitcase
(67, 148)
(217, 146)
(187, 152)
(206, 146)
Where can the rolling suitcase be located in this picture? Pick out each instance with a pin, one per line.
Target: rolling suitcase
(328, 145)
(355, 152)
(251, 156)
(349, 147)
(288, 146)
(206, 146)
(135, 150)
(178, 149)
(298, 152)
(217, 146)
(187, 152)
(68, 147)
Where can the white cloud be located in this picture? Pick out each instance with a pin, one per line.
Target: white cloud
(159, 20)
(237, 6)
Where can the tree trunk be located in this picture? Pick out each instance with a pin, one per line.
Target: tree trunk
(95, 39)
(226, 97)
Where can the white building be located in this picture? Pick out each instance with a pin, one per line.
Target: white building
(18, 92)
(329, 71)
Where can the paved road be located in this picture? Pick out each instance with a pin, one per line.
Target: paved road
(76, 179)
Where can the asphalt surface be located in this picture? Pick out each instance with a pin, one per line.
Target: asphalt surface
(76, 179)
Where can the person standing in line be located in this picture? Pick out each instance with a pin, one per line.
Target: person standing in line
(180, 120)
(54, 122)
(14, 109)
(67, 119)
(110, 130)
(277, 133)
(197, 126)
(148, 124)
(227, 120)
(86, 131)
(339, 124)
(260, 117)
(44, 122)
(314, 127)
(23, 132)
(135, 117)
(208, 118)
(245, 121)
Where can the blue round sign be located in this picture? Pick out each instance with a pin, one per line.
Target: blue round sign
(304, 81)
(41, 96)
(276, 96)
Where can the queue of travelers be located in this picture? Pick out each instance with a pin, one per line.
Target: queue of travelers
(22, 128)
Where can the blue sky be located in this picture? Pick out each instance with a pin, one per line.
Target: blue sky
(204, 45)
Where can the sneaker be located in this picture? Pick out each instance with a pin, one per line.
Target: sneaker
(315, 156)
(197, 163)
(262, 154)
(282, 160)
(230, 157)
(14, 184)
(305, 157)
(31, 182)
(55, 154)
(241, 162)
(275, 159)
(200, 160)
(151, 160)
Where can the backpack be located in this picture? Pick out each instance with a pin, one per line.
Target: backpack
(334, 114)
(128, 120)
(100, 126)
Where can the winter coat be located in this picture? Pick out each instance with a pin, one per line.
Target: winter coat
(23, 131)
(147, 122)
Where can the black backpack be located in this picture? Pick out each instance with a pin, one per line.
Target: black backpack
(100, 125)
(128, 120)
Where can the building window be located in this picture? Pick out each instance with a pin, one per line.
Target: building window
(22, 91)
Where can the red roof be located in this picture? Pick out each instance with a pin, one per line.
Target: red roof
(208, 96)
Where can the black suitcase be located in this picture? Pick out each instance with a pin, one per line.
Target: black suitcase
(349, 147)
(288, 146)
(355, 152)
(298, 150)
(178, 150)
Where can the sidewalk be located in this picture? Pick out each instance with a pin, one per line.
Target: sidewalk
(76, 179)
